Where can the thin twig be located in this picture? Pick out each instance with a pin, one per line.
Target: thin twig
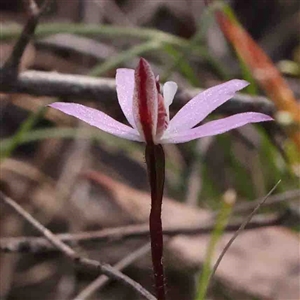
(76, 259)
(241, 228)
(67, 86)
(121, 265)
(11, 66)
(275, 199)
(40, 244)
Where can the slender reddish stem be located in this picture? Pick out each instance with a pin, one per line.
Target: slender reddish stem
(155, 159)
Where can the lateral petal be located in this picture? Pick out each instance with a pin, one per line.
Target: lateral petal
(98, 119)
(169, 91)
(203, 104)
(125, 88)
(215, 127)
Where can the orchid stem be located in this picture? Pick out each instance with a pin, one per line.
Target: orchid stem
(155, 159)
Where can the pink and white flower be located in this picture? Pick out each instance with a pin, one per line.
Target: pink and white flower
(147, 110)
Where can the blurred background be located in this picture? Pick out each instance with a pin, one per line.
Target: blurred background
(73, 178)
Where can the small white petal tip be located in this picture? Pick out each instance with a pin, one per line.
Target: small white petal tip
(169, 91)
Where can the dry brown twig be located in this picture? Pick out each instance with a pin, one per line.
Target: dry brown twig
(11, 67)
(75, 258)
(53, 84)
(40, 244)
(122, 264)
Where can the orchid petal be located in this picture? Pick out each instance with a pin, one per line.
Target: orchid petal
(203, 104)
(169, 91)
(125, 88)
(145, 101)
(215, 127)
(98, 119)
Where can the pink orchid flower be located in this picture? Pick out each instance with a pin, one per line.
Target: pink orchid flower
(147, 110)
